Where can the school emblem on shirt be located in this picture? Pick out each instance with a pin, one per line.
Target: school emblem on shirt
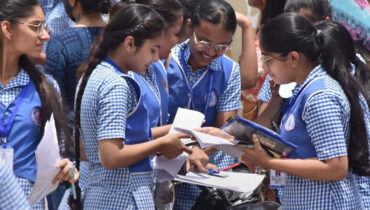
(290, 123)
(35, 116)
(164, 85)
(212, 100)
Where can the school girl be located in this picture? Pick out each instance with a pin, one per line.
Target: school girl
(200, 77)
(312, 10)
(326, 117)
(111, 111)
(361, 74)
(28, 97)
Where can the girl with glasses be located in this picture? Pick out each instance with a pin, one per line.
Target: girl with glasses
(28, 97)
(327, 117)
(201, 78)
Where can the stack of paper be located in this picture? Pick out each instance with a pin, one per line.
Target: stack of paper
(241, 182)
(47, 156)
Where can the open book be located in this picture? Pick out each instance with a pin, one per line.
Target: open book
(272, 142)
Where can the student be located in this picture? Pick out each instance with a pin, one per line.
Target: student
(112, 115)
(313, 11)
(326, 117)
(66, 50)
(28, 97)
(200, 77)
(361, 74)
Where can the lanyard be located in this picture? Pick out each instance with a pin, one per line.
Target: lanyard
(113, 64)
(4, 129)
(208, 96)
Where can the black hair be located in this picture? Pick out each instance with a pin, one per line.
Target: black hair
(170, 10)
(313, 10)
(272, 9)
(216, 12)
(135, 20)
(12, 11)
(344, 40)
(292, 32)
(188, 7)
(89, 6)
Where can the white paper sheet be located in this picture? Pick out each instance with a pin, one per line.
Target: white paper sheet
(171, 166)
(241, 182)
(47, 156)
(206, 140)
(186, 119)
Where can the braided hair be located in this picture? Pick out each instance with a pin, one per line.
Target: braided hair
(138, 21)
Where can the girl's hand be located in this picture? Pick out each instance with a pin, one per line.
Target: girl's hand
(274, 88)
(243, 21)
(258, 154)
(198, 160)
(63, 175)
(172, 146)
(216, 132)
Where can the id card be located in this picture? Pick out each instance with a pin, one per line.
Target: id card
(7, 155)
(277, 179)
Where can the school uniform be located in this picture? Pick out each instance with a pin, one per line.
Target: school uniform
(11, 194)
(24, 135)
(318, 113)
(362, 182)
(156, 80)
(114, 106)
(212, 89)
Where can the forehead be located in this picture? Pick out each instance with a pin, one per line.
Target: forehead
(210, 32)
(36, 14)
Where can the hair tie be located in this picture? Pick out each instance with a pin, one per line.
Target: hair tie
(318, 32)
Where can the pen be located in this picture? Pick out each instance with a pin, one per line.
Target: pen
(212, 172)
(72, 175)
(230, 167)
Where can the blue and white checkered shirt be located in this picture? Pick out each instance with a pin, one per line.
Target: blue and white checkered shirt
(105, 105)
(11, 194)
(265, 92)
(230, 99)
(55, 16)
(326, 115)
(150, 78)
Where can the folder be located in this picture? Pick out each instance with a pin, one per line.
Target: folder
(272, 142)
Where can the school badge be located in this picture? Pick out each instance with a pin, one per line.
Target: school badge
(35, 116)
(212, 100)
(290, 123)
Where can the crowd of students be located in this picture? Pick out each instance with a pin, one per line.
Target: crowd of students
(114, 83)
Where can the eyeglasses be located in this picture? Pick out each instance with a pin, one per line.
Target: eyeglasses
(206, 46)
(41, 27)
(266, 62)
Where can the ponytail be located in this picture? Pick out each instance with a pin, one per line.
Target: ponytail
(124, 21)
(331, 59)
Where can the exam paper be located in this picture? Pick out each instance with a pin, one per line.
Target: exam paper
(47, 156)
(206, 140)
(240, 182)
(186, 119)
(171, 166)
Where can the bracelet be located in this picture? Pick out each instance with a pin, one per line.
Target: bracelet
(251, 110)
